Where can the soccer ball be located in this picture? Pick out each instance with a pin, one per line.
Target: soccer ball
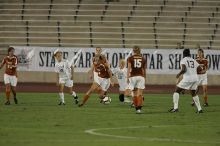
(106, 100)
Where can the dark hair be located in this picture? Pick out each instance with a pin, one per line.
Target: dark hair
(186, 53)
(10, 49)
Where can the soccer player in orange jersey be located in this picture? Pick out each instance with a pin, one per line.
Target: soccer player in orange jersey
(10, 76)
(136, 77)
(93, 73)
(104, 79)
(202, 74)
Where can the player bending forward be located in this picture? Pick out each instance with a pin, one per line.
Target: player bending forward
(136, 76)
(64, 72)
(121, 74)
(10, 76)
(189, 68)
(103, 81)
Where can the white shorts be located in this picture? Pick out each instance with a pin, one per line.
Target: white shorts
(66, 81)
(202, 79)
(96, 77)
(136, 82)
(12, 80)
(123, 86)
(104, 83)
(188, 85)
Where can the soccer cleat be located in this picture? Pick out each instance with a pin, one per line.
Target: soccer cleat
(173, 110)
(61, 103)
(7, 103)
(138, 111)
(199, 112)
(76, 99)
(81, 104)
(15, 100)
(206, 104)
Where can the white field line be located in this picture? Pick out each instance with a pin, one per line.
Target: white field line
(98, 133)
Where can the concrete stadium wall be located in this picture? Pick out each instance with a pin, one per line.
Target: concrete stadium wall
(50, 77)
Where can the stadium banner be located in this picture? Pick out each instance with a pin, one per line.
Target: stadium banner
(159, 61)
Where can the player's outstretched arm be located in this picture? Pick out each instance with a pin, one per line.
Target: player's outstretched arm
(183, 70)
(90, 72)
(2, 63)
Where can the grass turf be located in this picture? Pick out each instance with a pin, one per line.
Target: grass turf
(38, 120)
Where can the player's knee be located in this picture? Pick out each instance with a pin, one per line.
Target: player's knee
(121, 97)
(8, 89)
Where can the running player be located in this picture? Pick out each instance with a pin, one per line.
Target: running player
(64, 72)
(10, 76)
(202, 75)
(93, 72)
(136, 77)
(189, 68)
(121, 74)
(104, 79)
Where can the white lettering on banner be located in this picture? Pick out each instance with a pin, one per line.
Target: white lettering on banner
(159, 61)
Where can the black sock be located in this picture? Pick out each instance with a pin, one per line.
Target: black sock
(121, 97)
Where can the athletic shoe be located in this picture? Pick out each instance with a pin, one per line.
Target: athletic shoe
(7, 103)
(138, 111)
(76, 99)
(61, 103)
(81, 104)
(15, 100)
(199, 112)
(173, 110)
(205, 104)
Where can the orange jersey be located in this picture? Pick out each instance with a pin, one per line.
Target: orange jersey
(102, 57)
(103, 70)
(10, 65)
(138, 64)
(203, 63)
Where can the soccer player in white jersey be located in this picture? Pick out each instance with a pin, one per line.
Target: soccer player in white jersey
(64, 72)
(189, 68)
(121, 74)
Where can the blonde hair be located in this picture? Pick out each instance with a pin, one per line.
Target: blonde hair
(122, 61)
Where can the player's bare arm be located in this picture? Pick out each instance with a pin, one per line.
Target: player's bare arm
(183, 70)
(128, 71)
(57, 79)
(72, 72)
(2, 64)
(90, 72)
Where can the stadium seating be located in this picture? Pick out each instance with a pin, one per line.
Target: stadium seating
(124, 23)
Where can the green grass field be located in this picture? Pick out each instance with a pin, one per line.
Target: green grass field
(38, 121)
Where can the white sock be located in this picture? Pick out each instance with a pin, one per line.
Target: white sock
(175, 100)
(132, 94)
(62, 97)
(197, 103)
(74, 94)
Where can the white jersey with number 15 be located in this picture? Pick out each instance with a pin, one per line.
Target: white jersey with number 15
(191, 69)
